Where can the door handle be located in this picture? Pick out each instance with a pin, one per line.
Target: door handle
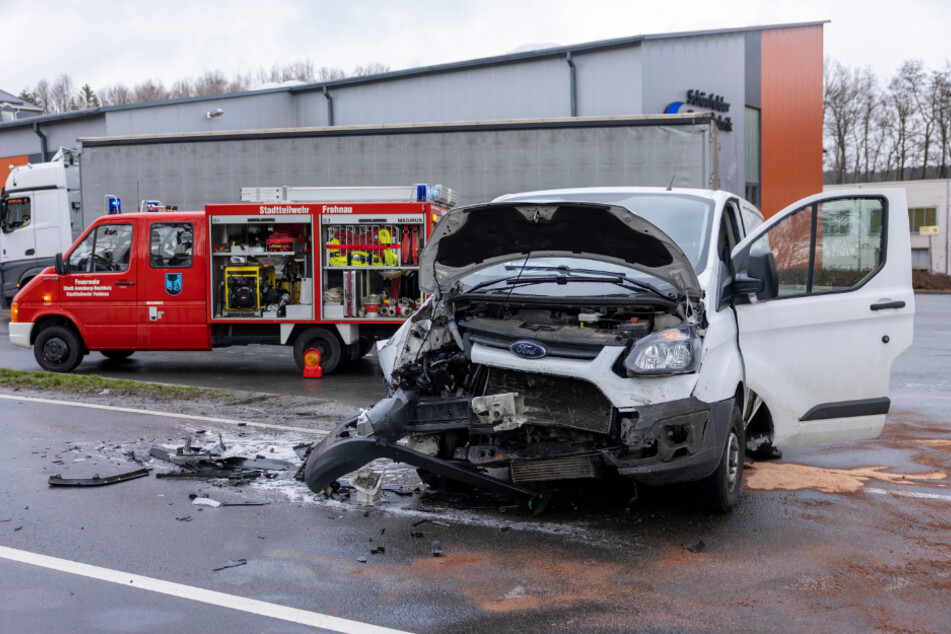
(133, 284)
(884, 305)
(30, 252)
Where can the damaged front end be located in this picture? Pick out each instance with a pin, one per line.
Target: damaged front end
(540, 370)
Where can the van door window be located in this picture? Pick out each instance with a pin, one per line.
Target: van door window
(16, 213)
(830, 246)
(171, 245)
(106, 249)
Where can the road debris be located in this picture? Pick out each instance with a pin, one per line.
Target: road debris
(367, 484)
(218, 461)
(96, 481)
(206, 502)
(234, 564)
(428, 521)
(437, 548)
(379, 550)
(416, 534)
(696, 548)
(361, 560)
(186, 518)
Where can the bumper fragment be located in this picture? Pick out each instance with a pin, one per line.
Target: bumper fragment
(20, 334)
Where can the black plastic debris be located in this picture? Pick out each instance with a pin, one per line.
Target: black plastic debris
(234, 564)
(379, 550)
(186, 518)
(698, 547)
(437, 548)
(96, 480)
(416, 534)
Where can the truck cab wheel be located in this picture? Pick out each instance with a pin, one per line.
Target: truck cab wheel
(327, 343)
(58, 349)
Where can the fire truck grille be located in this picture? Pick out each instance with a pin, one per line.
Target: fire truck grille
(568, 468)
(555, 401)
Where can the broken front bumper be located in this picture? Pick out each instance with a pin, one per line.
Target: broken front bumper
(679, 441)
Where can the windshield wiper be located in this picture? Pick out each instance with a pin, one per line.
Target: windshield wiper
(616, 277)
(603, 277)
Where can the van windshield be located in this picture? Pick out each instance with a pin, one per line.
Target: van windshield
(686, 219)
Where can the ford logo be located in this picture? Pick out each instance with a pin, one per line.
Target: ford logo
(529, 349)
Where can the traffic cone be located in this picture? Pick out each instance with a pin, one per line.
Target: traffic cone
(312, 369)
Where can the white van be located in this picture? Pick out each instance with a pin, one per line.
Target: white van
(648, 333)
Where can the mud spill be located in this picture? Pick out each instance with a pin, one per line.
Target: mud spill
(772, 476)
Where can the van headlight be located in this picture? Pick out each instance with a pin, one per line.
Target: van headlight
(670, 351)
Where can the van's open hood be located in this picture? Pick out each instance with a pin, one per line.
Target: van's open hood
(471, 238)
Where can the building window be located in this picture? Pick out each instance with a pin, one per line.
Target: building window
(875, 222)
(837, 222)
(919, 217)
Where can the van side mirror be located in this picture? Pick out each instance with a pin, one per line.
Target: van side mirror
(758, 277)
(59, 264)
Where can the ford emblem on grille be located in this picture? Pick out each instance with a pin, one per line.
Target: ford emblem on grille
(529, 349)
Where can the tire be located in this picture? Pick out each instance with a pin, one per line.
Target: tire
(331, 350)
(58, 349)
(117, 355)
(719, 491)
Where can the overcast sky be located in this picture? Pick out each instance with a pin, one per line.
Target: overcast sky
(104, 42)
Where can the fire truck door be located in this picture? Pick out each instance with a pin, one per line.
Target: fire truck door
(172, 310)
(99, 287)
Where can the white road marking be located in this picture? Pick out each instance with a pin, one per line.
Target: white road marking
(911, 494)
(181, 591)
(204, 419)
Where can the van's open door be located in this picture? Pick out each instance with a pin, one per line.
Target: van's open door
(820, 351)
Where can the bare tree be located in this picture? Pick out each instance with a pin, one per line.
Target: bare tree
(373, 68)
(212, 82)
(149, 90)
(329, 73)
(841, 114)
(941, 81)
(61, 94)
(117, 95)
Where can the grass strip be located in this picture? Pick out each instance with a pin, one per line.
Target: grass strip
(92, 384)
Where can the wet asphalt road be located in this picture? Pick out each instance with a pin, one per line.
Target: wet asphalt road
(269, 369)
(851, 536)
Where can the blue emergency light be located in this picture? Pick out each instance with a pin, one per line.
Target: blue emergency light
(113, 205)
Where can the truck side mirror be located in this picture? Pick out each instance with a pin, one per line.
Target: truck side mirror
(758, 277)
(59, 264)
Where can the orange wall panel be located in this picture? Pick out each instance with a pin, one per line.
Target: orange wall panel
(791, 97)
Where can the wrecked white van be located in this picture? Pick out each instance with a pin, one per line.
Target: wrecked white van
(647, 333)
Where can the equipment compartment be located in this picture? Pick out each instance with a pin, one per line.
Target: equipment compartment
(370, 266)
(260, 267)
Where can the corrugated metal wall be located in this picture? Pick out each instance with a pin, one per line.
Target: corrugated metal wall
(480, 165)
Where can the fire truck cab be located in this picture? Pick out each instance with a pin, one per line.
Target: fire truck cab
(328, 268)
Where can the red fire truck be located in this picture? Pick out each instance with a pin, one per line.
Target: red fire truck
(328, 268)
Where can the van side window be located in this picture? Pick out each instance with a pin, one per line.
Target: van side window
(16, 214)
(107, 249)
(171, 245)
(729, 234)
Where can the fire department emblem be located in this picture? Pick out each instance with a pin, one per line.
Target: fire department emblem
(173, 283)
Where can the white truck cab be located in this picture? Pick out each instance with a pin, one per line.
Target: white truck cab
(655, 334)
(40, 216)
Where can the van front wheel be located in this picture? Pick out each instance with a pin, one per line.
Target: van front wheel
(58, 349)
(720, 490)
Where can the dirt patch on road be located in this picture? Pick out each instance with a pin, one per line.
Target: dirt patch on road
(772, 476)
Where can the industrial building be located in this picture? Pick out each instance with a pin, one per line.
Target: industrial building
(762, 85)
(929, 206)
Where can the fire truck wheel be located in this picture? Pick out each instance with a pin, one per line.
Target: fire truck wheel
(330, 348)
(117, 355)
(58, 349)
